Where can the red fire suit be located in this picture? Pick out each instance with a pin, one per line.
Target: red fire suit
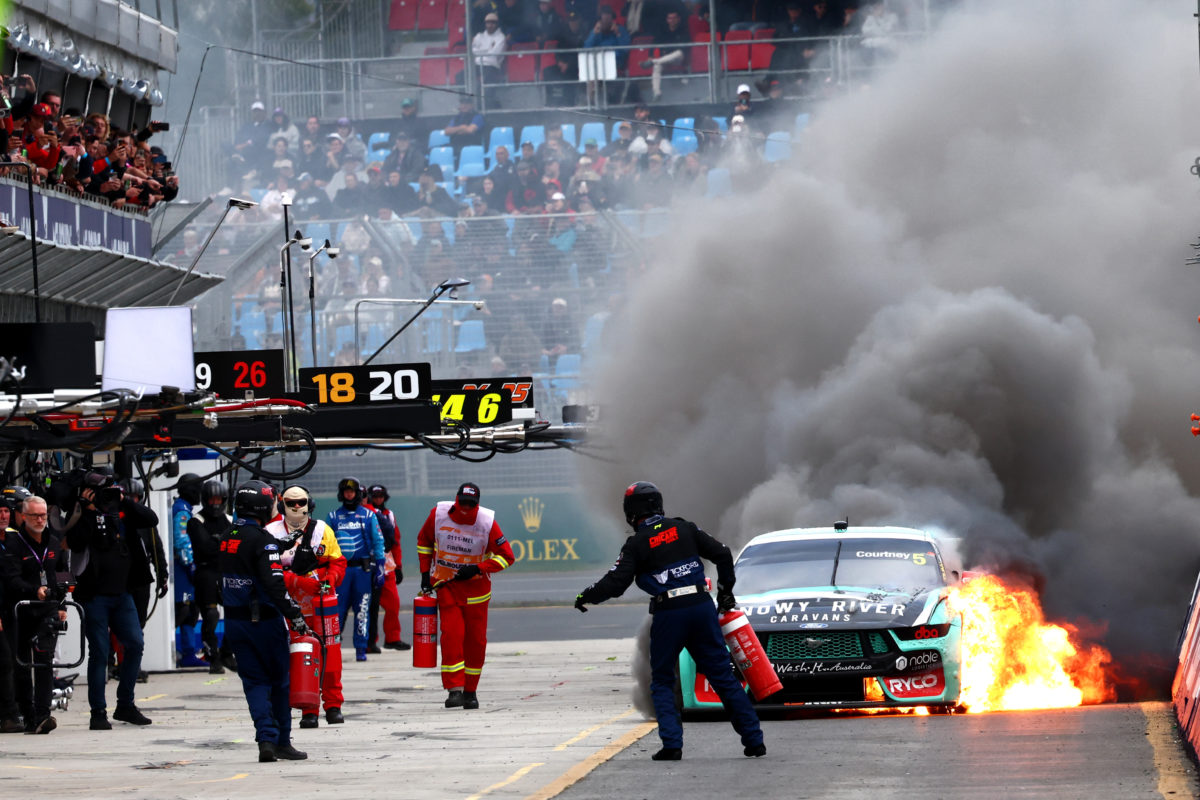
(389, 595)
(450, 539)
(316, 594)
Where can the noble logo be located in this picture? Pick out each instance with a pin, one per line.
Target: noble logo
(531, 510)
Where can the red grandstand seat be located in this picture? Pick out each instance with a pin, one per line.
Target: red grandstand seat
(522, 62)
(454, 69)
(433, 72)
(760, 55)
(456, 21)
(699, 55)
(431, 16)
(560, 6)
(634, 67)
(736, 52)
(697, 26)
(764, 33)
(402, 16)
(547, 59)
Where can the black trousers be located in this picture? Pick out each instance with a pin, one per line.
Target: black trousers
(33, 685)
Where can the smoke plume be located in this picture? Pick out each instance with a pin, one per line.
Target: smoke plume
(963, 306)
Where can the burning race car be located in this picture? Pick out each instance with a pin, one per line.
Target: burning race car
(849, 617)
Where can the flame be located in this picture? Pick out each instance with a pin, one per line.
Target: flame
(1013, 659)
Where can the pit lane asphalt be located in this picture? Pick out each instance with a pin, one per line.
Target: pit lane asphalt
(1121, 752)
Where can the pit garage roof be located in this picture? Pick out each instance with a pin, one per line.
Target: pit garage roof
(90, 276)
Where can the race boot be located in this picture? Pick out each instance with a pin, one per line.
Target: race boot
(470, 700)
(454, 699)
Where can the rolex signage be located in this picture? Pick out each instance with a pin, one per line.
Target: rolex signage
(547, 530)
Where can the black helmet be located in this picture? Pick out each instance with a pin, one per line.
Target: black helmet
(356, 485)
(212, 490)
(189, 486)
(134, 487)
(13, 496)
(641, 500)
(379, 488)
(255, 500)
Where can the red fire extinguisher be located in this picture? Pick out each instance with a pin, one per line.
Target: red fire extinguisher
(425, 622)
(305, 689)
(749, 655)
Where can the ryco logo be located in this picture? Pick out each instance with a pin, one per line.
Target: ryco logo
(925, 684)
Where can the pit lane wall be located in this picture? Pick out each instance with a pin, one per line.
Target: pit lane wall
(1185, 689)
(550, 531)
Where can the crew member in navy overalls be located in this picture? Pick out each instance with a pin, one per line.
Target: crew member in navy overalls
(663, 556)
(256, 603)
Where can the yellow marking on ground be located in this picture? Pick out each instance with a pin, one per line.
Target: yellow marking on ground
(236, 777)
(1175, 779)
(516, 776)
(151, 697)
(584, 734)
(214, 680)
(28, 766)
(581, 770)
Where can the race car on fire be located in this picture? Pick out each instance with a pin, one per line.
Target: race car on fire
(849, 617)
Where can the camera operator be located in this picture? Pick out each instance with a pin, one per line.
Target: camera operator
(101, 541)
(34, 550)
(149, 565)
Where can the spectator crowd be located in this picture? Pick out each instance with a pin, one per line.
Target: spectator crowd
(82, 153)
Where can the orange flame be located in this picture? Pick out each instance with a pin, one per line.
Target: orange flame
(1013, 659)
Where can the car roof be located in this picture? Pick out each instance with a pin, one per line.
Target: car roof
(829, 533)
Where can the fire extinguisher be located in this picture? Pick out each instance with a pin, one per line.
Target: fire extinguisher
(749, 655)
(425, 623)
(305, 689)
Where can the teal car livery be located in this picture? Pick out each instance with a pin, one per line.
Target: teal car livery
(850, 618)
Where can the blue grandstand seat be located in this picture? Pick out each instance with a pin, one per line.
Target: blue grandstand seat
(471, 154)
(257, 195)
(801, 122)
(683, 142)
(778, 147)
(616, 131)
(723, 124)
(444, 158)
(471, 169)
(448, 230)
(593, 130)
(414, 227)
(502, 135)
(689, 123)
(719, 183)
(566, 372)
(593, 330)
(568, 130)
(470, 336)
(377, 146)
(533, 133)
(438, 138)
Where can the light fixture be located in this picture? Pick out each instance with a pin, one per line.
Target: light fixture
(448, 285)
(90, 71)
(232, 204)
(141, 88)
(332, 252)
(110, 78)
(155, 97)
(76, 64)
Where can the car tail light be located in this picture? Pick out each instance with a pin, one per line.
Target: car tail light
(921, 632)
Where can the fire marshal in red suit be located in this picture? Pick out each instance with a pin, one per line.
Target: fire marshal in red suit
(459, 547)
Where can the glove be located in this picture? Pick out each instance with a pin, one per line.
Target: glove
(725, 600)
(579, 603)
(378, 575)
(162, 590)
(426, 584)
(399, 575)
(301, 627)
(467, 572)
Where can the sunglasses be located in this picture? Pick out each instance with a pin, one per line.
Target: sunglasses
(301, 503)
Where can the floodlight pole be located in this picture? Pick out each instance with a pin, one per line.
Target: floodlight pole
(37, 292)
(285, 294)
(448, 285)
(312, 298)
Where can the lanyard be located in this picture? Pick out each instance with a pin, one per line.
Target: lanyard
(40, 559)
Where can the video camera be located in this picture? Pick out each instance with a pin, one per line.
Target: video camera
(49, 626)
(64, 487)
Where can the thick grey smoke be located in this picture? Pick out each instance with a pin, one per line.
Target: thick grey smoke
(965, 307)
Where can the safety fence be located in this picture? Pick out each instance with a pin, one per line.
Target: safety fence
(542, 287)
